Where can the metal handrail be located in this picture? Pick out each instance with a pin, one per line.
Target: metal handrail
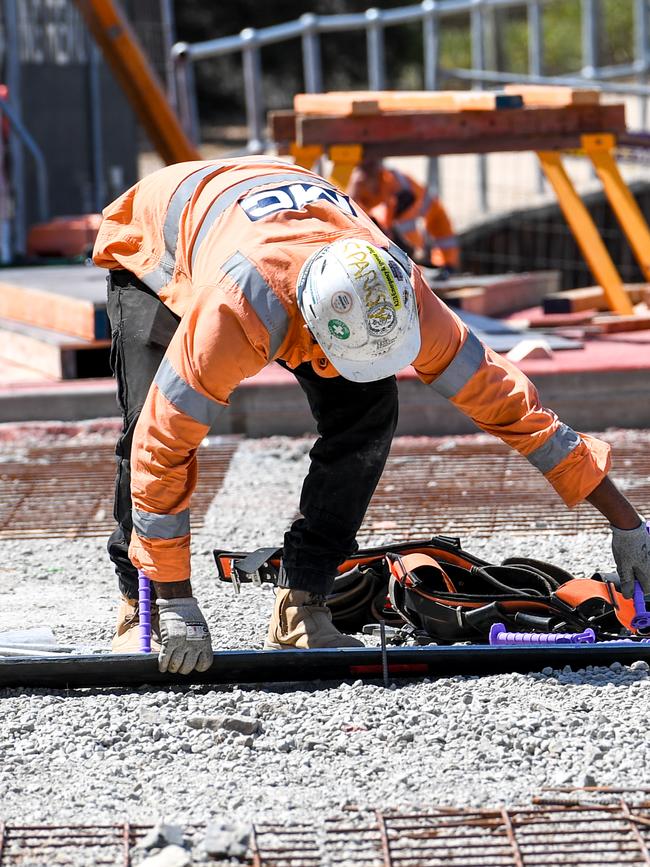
(309, 27)
(42, 179)
(494, 77)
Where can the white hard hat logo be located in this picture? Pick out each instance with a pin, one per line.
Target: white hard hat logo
(338, 329)
(381, 319)
(342, 302)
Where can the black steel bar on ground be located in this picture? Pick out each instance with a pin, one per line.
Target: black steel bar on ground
(262, 666)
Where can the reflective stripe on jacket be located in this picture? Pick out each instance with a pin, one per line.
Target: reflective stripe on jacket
(222, 243)
(424, 224)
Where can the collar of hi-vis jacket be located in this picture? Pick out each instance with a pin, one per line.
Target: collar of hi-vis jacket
(274, 172)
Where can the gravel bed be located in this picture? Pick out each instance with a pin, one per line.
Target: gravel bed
(302, 752)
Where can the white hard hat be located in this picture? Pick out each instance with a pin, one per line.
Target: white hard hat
(358, 302)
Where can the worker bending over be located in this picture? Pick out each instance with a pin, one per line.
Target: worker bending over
(407, 213)
(219, 268)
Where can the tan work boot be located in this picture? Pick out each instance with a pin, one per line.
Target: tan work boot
(127, 633)
(301, 621)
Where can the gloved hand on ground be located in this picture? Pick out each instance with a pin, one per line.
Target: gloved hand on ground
(631, 549)
(185, 637)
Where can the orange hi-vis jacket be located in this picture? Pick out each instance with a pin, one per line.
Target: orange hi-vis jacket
(222, 243)
(424, 224)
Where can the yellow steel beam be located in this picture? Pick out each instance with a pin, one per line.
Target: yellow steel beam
(125, 56)
(344, 159)
(585, 232)
(305, 155)
(599, 150)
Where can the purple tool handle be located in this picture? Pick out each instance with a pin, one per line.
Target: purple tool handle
(144, 612)
(499, 636)
(641, 620)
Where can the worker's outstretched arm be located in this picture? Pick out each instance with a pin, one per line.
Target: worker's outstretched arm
(215, 347)
(502, 401)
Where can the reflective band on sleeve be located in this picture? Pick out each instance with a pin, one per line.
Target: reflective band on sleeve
(230, 196)
(462, 368)
(446, 243)
(161, 526)
(407, 225)
(184, 397)
(399, 254)
(161, 275)
(261, 297)
(555, 449)
(427, 201)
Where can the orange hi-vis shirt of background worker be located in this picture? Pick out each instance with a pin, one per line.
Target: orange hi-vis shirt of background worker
(222, 243)
(399, 204)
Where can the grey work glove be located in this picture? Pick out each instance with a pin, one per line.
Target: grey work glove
(631, 549)
(185, 637)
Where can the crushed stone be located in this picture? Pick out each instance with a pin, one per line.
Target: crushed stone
(292, 752)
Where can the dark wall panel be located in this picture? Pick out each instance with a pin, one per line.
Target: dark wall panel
(56, 106)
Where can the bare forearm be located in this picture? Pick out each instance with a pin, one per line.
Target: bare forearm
(611, 503)
(173, 589)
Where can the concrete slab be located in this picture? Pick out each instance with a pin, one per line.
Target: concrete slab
(66, 298)
(603, 385)
(77, 281)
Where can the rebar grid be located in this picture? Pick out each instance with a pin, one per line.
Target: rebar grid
(536, 837)
(480, 487)
(615, 835)
(465, 486)
(67, 491)
(28, 845)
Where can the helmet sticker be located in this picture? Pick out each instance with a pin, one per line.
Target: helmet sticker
(342, 302)
(388, 278)
(338, 329)
(381, 319)
(397, 272)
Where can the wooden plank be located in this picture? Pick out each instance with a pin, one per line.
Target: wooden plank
(12, 374)
(282, 129)
(68, 299)
(64, 236)
(52, 354)
(554, 320)
(468, 298)
(486, 144)
(590, 298)
(418, 128)
(374, 102)
(548, 95)
(338, 103)
(618, 324)
(501, 294)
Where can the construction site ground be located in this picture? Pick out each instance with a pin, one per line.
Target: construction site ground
(318, 750)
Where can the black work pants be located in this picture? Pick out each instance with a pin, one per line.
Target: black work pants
(356, 423)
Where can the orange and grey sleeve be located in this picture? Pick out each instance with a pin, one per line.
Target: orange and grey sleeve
(502, 401)
(225, 337)
(441, 236)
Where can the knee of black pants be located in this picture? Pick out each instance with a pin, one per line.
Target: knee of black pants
(382, 407)
(356, 422)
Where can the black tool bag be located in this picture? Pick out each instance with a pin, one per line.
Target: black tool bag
(450, 594)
